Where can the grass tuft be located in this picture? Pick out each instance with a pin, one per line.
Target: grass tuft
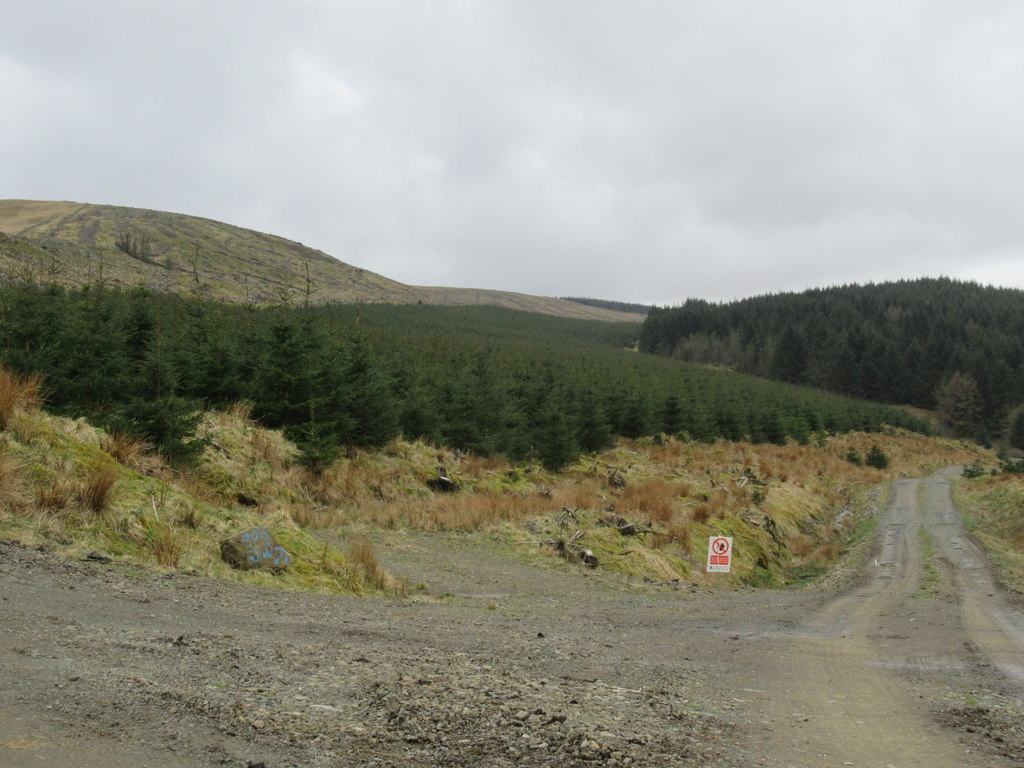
(54, 494)
(127, 449)
(166, 546)
(656, 498)
(97, 488)
(18, 393)
(362, 556)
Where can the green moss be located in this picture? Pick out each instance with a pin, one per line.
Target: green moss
(219, 481)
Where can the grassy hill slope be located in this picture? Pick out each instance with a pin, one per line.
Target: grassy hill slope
(75, 243)
(70, 486)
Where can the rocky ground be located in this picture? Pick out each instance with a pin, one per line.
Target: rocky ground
(503, 662)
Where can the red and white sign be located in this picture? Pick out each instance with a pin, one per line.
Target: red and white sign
(719, 554)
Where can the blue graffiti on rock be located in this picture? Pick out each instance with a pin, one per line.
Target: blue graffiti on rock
(263, 550)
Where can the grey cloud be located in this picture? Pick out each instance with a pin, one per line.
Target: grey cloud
(649, 151)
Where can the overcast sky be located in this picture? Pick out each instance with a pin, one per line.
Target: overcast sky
(643, 151)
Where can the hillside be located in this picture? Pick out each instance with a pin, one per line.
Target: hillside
(931, 343)
(72, 486)
(75, 244)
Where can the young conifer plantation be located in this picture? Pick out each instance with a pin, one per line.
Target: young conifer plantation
(483, 380)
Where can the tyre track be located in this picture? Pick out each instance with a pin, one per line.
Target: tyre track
(854, 683)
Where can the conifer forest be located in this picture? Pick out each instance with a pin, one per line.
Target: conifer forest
(485, 380)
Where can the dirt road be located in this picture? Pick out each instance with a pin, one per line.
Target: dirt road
(876, 676)
(920, 663)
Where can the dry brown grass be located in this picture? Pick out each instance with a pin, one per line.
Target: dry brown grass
(668, 452)
(583, 494)
(349, 479)
(362, 556)
(126, 449)
(701, 512)
(54, 494)
(51, 528)
(309, 515)
(11, 491)
(193, 486)
(9, 470)
(464, 511)
(656, 498)
(827, 551)
(357, 481)
(240, 410)
(474, 511)
(188, 516)
(268, 447)
(719, 503)
(96, 489)
(801, 545)
(477, 467)
(126, 526)
(18, 392)
(680, 531)
(166, 546)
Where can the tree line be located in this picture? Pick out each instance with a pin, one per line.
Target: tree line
(481, 379)
(619, 306)
(932, 343)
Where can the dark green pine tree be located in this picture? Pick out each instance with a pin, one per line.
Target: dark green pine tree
(154, 410)
(1016, 434)
(298, 386)
(419, 413)
(31, 319)
(555, 443)
(591, 427)
(538, 401)
(671, 416)
(140, 326)
(698, 423)
(772, 428)
(730, 424)
(284, 378)
(315, 438)
(366, 397)
(476, 415)
(789, 362)
(91, 368)
(209, 348)
(876, 458)
(635, 418)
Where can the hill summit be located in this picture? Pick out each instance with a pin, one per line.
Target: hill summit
(77, 243)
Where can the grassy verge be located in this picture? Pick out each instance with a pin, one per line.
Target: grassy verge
(991, 507)
(60, 488)
(644, 510)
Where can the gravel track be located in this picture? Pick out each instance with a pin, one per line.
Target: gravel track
(506, 663)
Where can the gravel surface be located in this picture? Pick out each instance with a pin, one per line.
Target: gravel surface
(500, 663)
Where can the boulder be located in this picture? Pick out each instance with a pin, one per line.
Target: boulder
(442, 482)
(255, 548)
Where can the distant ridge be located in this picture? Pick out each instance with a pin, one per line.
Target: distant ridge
(79, 243)
(618, 306)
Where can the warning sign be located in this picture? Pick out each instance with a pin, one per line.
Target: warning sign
(719, 554)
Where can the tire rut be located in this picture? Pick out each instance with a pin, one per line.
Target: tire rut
(856, 683)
